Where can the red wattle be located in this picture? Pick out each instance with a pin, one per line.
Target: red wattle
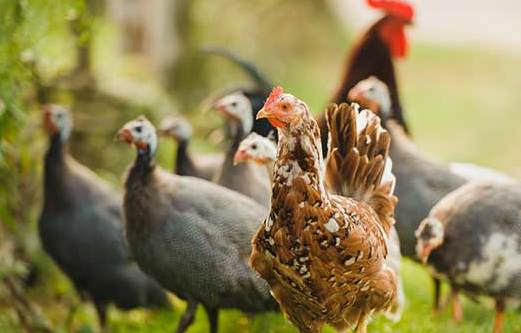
(393, 34)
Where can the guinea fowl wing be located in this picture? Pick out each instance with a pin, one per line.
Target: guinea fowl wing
(209, 235)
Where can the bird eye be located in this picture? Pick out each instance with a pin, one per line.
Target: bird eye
(284, 106)
(234, 104)
(371, 89)
(138, 129)
(254, 146)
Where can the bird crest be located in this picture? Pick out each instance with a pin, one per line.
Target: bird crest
(274, 95)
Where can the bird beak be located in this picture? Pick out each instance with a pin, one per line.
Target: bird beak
(354, 95)
(240, 156)
(272, 118)
(263, 113)
(125, 135)
(425, 253)
(220, 109)
(47, 122)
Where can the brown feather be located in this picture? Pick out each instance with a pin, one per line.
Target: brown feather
(322, 253)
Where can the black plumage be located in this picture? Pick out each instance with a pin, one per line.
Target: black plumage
(81, 228)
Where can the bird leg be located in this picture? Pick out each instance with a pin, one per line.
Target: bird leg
(213, 318)
(188, 316)
(437, 306)
(457, 311)
(101, 310)
(500, 316)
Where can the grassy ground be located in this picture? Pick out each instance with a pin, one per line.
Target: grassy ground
(462, 105)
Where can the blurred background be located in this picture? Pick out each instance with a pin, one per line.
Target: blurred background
(110, 60)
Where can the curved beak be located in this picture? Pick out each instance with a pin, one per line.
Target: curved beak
(240, 156)
(220, 109)
(263, 113)
(49, 126)
(124, 134)
(354, 95)
(271, 116)
(424, 253)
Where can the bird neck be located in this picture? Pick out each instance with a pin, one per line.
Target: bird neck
(299, 158)
(54, 171)
(184, 165)
(142, 169)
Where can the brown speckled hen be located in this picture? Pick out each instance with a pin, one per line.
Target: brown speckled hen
(324, 254)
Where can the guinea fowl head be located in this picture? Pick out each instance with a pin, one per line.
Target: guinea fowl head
(372, 94)
(141, 133)
(429, 236)
(284, 111)
(256, 148)
(176, 127)
(236, 107)
(57, 120)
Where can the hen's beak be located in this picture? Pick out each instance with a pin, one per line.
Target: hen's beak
(124, 134)
(240, 156)
(263, 113)
(272, 118)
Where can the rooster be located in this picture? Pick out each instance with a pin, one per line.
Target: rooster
(373, 56)
(324, 252)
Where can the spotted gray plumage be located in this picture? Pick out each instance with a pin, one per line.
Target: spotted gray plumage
(194, 237)
(475, 216)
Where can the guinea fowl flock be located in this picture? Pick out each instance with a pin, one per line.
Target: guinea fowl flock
(302, 215)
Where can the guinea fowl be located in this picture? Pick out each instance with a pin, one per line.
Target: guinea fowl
(472, 238)
(203, 166)
(258, 149)
(191, 235)
(373, 55)
(421, 181)
(248, 179)
(256, 95)
(81, 228)
(323, 252)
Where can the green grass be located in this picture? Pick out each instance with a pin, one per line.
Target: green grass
(55, 297)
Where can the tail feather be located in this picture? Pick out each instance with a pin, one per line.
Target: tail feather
(260, 79)
(358, 163)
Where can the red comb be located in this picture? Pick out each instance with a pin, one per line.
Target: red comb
(274, 95)
(395, 8)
